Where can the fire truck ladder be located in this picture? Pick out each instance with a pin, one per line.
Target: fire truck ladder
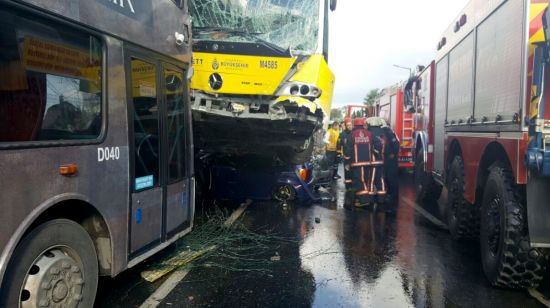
(405, 155)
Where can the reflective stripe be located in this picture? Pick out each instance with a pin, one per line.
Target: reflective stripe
(377, 162)
(363, 178)
(372, 179)
(348, 181)
(363, 193)
(361, 164)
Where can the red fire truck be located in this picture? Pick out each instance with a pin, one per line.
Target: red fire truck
(390, 105)
(351, 112)
(482, 128)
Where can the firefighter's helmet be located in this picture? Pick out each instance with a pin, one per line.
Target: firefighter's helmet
(359, 122)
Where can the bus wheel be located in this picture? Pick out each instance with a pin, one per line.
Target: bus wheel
(462, 216)
(55, 265)
(426, 188)
(508, 260)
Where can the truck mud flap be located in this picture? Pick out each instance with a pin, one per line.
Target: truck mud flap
(538, 210)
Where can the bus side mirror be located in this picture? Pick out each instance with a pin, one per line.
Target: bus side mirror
(333, 5)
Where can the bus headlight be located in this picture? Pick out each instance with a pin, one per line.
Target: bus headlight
(299, 89)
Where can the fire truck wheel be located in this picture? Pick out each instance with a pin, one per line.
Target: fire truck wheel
(508, 260)
(463, 218)
(54, 265)
(426, 188)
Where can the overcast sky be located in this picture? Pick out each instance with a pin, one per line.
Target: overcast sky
(367, 37)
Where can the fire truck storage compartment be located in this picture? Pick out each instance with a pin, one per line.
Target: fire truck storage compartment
(461, 76)
(499, 63)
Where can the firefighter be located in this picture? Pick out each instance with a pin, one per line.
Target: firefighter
(378, 182)
(345, 146)
(331, 141)
(391, 168)
(389, 153)
(363, 146)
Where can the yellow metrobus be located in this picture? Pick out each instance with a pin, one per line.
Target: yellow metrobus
(261, 83)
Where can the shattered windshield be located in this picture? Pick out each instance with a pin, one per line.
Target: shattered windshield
(287, 24)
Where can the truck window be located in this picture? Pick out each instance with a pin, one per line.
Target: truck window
(54, 87)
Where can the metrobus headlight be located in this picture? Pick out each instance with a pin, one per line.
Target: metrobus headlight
(294, 89)
(299, 89)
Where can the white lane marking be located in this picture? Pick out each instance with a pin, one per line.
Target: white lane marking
(425, 213)
(156, 298)
(538, 296)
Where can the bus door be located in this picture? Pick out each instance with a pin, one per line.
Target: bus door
(160, 199)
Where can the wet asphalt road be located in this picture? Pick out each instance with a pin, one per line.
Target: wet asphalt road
(350, 258)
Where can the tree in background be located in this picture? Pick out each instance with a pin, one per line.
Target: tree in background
(336, 115)
(370, 98)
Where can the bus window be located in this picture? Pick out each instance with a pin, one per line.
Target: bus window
(54, 87)
(146, 124)
(175, 124)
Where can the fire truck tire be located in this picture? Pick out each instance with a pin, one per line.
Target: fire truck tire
(55, 264)
(427, 189)
(463, 218)
(508, 259)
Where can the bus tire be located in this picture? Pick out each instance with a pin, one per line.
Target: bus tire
(463, 219)
(507, 257)
(427, 189)
(55, 264)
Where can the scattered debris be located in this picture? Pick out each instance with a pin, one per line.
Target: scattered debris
(276, 257)
(237, 213)
(185, 257)
(181, 259)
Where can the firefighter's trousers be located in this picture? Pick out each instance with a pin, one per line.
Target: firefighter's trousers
(391, 170)
(378, 181)
(362, 182)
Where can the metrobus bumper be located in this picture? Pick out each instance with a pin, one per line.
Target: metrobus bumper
(254, 125)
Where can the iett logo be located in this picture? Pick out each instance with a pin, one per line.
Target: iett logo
(215, 64)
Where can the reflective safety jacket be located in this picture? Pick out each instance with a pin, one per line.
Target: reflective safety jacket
(388, 139)
(367, 163)
(331, 139)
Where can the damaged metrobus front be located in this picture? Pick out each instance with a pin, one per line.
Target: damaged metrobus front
(95, 143)
(261, 83)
